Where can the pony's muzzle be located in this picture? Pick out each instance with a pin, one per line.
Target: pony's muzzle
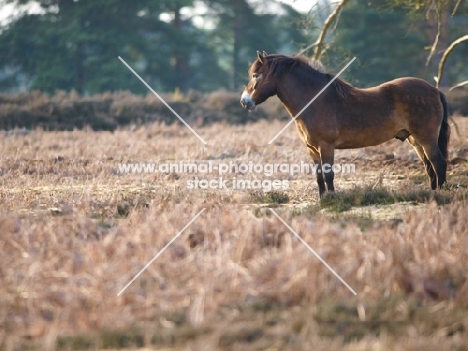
(246, 102)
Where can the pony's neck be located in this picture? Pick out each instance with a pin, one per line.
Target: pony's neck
(295, 90)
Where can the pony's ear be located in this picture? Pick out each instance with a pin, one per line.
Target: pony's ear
(265, 54)
(260, 57)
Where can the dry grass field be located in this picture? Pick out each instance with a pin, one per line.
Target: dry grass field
(74, 231)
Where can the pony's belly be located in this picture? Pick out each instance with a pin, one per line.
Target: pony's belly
(363, 140)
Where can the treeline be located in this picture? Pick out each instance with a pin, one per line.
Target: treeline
(172, 44)
(207, 45)
(108, 111)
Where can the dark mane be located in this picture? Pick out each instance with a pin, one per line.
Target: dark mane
(342, 88)
(279, 64)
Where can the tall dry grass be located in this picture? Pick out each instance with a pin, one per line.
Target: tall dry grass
(74, 231)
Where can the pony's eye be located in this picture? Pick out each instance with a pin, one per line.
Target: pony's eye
(255, 75)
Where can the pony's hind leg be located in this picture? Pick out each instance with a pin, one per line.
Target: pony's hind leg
(430, 172)
(438, 162)
(427, 164)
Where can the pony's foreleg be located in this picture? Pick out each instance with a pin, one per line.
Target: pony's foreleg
(318, 172)
(320, 179)
(327, 155)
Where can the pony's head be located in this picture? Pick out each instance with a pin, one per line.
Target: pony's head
(261, 85)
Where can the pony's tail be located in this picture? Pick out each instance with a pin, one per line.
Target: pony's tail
(444, 134)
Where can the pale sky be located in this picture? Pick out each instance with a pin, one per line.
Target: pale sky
(302, 6)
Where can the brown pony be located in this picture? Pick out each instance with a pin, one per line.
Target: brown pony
(345, 117)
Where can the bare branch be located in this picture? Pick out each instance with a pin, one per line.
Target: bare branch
(307, 48)
(317, 12)
(329, 21)
(459, 85)
(439, 30)
(455, 9)
(446, 54)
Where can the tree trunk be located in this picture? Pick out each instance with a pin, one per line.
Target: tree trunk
(79, 78)
(181, 64)
(444, 43)
(237, 28)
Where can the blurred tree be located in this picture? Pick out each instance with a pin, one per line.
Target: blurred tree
(74, 44)
(383, 41)
(391, 38)
(444, 22)
(176, 53)
(242, 28)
